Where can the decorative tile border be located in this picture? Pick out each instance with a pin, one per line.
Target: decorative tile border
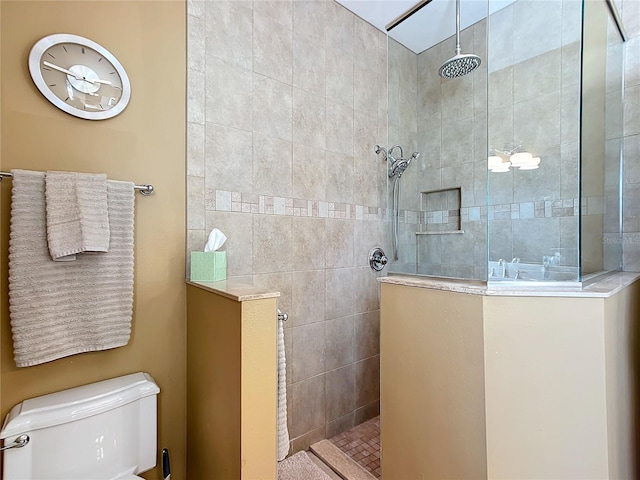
(227, 201)
(509, 211)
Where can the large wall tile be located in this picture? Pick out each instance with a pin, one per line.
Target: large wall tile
(308, 119)
(228, 159)
(339, 243)
(339, 288)
(272, 108)
(229, 32)
(309, 20)
(229, 94)
(309, 65)
(195, 43)
(272, 166)
(339, 77)
(272, 243)
(632, 110)
(309, 244)
(196, 96)
(367, 334)
(340, 339)
(273, 39)
(195, 203)
(308, 406)
(309, 351)
(367, 381)
(339, 31)
(366, 296)
(195, 149)
(339, 177)
(309, 176)
(340, 385)
(309, 296)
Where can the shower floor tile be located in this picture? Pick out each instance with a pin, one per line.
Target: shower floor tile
(362, 444)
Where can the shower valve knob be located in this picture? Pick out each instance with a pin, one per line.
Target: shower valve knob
(377, 259)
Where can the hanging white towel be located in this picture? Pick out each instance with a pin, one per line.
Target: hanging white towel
(77, 214)
(59, 309)
(283, 431)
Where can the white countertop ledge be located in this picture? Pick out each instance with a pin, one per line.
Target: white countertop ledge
(604, 287)
(240, 292)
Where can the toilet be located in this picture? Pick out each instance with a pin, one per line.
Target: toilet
(101, 431)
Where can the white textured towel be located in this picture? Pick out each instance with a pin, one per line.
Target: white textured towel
(283, 431)
(77, 214)
(59, 309)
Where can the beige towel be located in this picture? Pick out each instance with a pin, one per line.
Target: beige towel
(77, 214)
(283, 431)
(59, 309)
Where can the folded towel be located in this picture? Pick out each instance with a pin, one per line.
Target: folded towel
(77, 214)
(283, 431)
(59, 309)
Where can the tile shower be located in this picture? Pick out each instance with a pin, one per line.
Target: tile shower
(285, 103)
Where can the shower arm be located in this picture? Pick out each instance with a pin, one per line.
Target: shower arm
(458, 49)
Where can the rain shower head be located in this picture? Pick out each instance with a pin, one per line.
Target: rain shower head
(462, 63)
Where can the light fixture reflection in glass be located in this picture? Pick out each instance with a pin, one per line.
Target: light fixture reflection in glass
(520, 158)
(532, 164)
(517, 158)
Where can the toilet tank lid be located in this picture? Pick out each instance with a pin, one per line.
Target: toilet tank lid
(77, 403)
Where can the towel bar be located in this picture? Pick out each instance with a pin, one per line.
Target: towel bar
(145, 189)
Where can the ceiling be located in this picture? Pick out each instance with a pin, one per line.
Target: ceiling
(432, 24)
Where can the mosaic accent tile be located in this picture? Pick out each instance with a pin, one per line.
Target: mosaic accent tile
(362, 444)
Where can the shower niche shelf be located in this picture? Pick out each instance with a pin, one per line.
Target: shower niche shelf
(440, 212)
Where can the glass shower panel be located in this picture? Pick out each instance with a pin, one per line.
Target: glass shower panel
(534, 133)
(442, 214)
(603, 60)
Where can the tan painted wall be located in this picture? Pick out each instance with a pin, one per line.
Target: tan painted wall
(622, 363)
(432, 395)
(545, 388)
(145, 144)
(232, 381)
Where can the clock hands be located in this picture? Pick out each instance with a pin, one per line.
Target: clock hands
(75, 75)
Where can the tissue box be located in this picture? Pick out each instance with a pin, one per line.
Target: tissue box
(208, 266)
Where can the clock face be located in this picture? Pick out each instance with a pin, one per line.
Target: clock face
(79, 76)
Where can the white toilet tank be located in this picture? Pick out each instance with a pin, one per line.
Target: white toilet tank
(101, 431)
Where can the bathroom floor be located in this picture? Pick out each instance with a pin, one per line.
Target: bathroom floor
(362, 444)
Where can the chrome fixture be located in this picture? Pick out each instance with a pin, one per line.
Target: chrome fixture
(377, 259)
(282, 316)
(462, 63)
(397, 166)
(19, 442)
(145, 189)
(503, 265)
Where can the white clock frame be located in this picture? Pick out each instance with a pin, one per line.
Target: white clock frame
(35, 59)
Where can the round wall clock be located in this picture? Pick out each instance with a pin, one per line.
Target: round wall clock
(79, 76)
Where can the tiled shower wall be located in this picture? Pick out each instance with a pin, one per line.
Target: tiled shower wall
(286, 100)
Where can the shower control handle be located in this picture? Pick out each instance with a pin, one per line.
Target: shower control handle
(377, 259)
